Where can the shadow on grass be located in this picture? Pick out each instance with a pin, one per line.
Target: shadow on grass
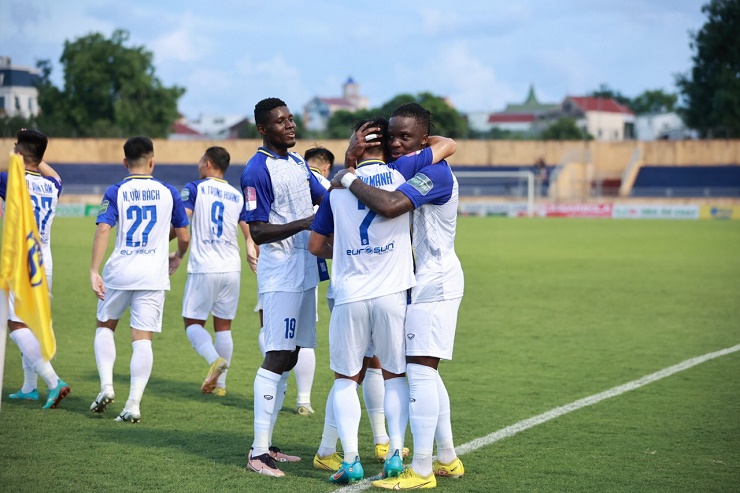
(222, 447)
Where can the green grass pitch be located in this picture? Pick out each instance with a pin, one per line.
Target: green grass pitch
(554, 310)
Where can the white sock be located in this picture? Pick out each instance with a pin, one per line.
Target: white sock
(31, 351)
(282, 388)
(397, 412)
(304, 371)
(105, 356)
(347, 413)
(225, 346)
(201, 341)
(424, 412)
(373, 393)
(261, 340)
(30, 377)
(142, 361)
(330, 435)
(443, 434)
(265, 390)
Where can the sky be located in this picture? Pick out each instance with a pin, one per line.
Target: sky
(481, 54)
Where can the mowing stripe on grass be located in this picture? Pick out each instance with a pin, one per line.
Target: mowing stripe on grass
(573, 406)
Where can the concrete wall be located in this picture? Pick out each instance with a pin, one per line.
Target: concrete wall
(609, 159)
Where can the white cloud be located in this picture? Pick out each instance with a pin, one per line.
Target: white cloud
(185, 43)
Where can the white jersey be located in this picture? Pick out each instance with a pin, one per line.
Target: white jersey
(434, 193)
(279, 190)
(214, 225)
(372, 254)
(44, 193)
(143, 209)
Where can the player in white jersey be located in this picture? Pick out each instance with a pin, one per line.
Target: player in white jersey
(432, 193)
(44, 186)
(371, 270)
(280, 193)
(216, 213)
(137, 272)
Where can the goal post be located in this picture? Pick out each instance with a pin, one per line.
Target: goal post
(511, 191)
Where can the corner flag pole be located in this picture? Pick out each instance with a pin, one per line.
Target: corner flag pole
(3, 335)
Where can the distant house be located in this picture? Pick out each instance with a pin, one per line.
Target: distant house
(210, 127)
(18, 93)
(518, 118)
(317, 111)
(662, 126)
(603, 118)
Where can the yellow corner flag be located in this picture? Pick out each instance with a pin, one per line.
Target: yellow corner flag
(21, 265)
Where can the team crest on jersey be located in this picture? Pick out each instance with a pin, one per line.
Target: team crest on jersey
(103, 207)
(250, 198)
(35, 261)
(421, 183)
(185, 194)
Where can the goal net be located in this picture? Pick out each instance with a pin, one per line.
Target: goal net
(502, 193)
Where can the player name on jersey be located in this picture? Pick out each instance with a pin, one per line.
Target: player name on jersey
(139, 195)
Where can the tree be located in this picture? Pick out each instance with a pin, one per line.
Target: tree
(657, 101)
(711, 90)
(564, 129)
(109, 90)
(604, 91)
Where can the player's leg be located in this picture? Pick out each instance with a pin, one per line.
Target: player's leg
(349, 338)
(199, 298)
(373, 394)
(387, 318)
(304, 371)
(29, 390)
(146, 319)
(109, 311)
(224, 311)
(280, 314)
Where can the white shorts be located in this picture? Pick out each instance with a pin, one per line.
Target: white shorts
(363, 328)
(430, 328)
(258, 306)
(11, 302)
(289, 320)
(216, 293)
(146, 308)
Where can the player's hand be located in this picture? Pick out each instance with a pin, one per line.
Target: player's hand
(358, 142)
(306, 222)
(97, 285)
(253, 254)
(336, 182)
(174, 262)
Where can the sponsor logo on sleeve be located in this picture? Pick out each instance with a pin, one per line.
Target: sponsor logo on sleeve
(421, 183)
(250, 198)
(185, 194)
(103, 207)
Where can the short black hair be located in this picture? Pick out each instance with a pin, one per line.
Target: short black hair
(218, 156)
(320, 153)
(264, 107)
(31, 144)
(375, 121)
(138, 147)
(416, 111)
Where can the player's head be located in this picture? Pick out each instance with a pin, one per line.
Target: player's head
(408, 129)
(139, 152)
(214, 162)
(320, 158)
(31, 144)
(381, 136)
(275, 123)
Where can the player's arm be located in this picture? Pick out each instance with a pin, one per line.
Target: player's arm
(442, 147)
(320, 245)
(183, 241)
(269, 233)
(386, 203)
(173, 235)
(48, 171)
(253, 250)
(100, 243)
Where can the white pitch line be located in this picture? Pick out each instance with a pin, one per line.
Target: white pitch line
(573, 406)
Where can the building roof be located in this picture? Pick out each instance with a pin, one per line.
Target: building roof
(606, 105)
(511, 117)
(337, 102)
(530, 105)
(181, 128)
